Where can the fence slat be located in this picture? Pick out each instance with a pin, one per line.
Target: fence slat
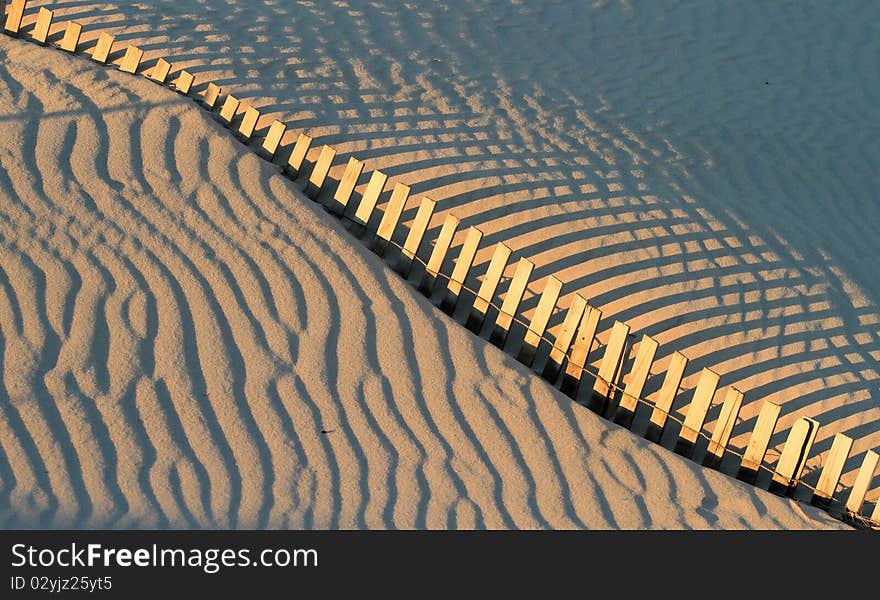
(370, 198)
(635, 385)
(438, 254)
(273, 139)
(511, 302)
(184, 82)
(696, 413)
(831, 472)
(13, 19)
(487, 288)
(159, 72)
(758, 443)
(666, 396)
(539, 321)
(875, 516)
(132, 60)
(298, 155)
(248, 123)
(463, 265)
(102, 49)
(794, 456)
(41, 29)
(562, 343)
(346, 186)
(229, 108)
(609, 369)
(723, 428)
(319, 172)
(415, 236)
(72, 33)
(390, 218)
(580, 351)
(863, 483)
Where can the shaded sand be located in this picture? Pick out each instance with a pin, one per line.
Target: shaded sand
(186, 342)
(706, 173)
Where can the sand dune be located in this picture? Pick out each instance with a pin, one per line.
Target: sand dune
(188, 342)
(704, 173)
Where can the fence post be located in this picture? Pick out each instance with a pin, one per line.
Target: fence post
(184, 82)
(863, 483)
(609, 370)
(487, 289)
(298, 155)
(102, 49)
(666, 396)
(723, 428)
(831, 472)
(580, 351)
(228, 109)
(463, 265)
(319, 172)
(794, 456)
(758, 443)
(638, 376)
(41, 29)
(211, 95)
(132, 60)
(696, 413)
(70, 41)
(13, 19)
(563, 341)
(248, 124)
(390, 218)
(370, 198)
(511, 302)
(159, 72)
(344, 190)
(273, 139)
(414, 239)
(438, 254)
(538, 324)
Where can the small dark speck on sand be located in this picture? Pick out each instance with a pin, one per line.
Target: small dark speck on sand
(325, 431)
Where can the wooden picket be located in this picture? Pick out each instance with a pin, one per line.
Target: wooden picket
(580, 351)
(723, 428)
(346, 186)
(635, 384)
(319, 172)
(14, 17)
(696, 412)
(184, 82)
(248, 123)
(159, 72)
(863, 482)
(758, 443)
(609, 369)
(270, 144)
(414, 238)
(463, 265)
(298, 155)
(564, 339)
(229, 108)
(512, 298)
(831, 472)
(72, 33)
(438, 254)
(539, 321)
(794, 456)
(488, 287)
(102, 49)
(666, 396)
(390, 218)
(211, 95)
(44, 23)
(132, 60)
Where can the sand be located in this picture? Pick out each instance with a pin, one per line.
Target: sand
(179, 325)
